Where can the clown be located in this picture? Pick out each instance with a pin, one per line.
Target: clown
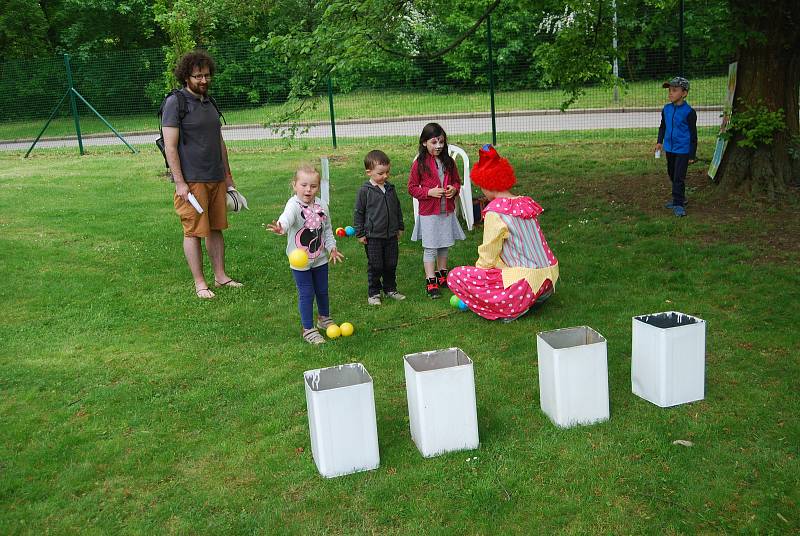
(516, 268)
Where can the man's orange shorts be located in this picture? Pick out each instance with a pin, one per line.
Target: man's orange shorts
(211, 196)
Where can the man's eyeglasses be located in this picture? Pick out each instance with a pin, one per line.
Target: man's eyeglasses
(201, 76)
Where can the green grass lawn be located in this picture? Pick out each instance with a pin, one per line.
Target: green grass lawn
(128, 405)
(368, 104)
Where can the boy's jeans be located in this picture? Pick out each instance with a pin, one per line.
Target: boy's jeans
(382, 256)
(677, 164)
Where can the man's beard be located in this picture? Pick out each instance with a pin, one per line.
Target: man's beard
(198, 89)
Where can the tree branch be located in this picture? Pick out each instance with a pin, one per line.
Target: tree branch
(448, 48)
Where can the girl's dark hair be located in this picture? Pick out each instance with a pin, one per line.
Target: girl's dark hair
(190, 60)
(433, 130)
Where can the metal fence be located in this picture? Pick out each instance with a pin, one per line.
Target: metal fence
(379, 100)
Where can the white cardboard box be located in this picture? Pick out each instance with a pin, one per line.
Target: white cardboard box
(573, 376)
(341, 419)
(668, 358)
(442, 413)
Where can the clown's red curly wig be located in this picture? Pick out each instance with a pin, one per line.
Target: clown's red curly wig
(493, 172)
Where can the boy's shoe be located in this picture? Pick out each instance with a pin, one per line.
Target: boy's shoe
(432, 288)
(441, 278)
(679, 211)
(312, 336)
(374, 300)
(395, 295)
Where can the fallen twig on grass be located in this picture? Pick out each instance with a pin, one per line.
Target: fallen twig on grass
(417, 321)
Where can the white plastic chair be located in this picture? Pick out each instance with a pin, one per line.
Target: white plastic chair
(325, 181)
(465, 195)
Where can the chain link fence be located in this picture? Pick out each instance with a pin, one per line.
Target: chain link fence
(378, 99)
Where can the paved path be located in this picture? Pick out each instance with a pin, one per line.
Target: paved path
(466, 124)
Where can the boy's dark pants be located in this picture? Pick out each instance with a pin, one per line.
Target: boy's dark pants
(677, 164)
(382, 255)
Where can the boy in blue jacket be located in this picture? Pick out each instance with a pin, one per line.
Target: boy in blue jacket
(677, 135)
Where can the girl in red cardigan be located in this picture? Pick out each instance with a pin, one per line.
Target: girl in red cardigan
(435, 183)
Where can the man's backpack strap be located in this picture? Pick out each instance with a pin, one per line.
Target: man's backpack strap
(217, 109)
(183, 109)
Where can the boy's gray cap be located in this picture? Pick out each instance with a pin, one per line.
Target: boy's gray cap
(678, 81)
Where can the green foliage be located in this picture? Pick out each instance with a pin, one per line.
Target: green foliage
(177, 21)
(755, 124)
(578, 52)
(246, 78)
(649, 40)
(794, 147)
(23, 29)
(90, 26)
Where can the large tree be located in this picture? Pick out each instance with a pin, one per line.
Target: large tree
(764, 152)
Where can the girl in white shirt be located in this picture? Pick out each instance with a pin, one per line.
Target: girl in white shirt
(306, 222)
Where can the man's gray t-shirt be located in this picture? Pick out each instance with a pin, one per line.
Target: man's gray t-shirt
(201, 155)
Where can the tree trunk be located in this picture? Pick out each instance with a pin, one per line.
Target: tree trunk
(768, 75)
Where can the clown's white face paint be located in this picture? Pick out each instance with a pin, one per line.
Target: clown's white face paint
(435, 145)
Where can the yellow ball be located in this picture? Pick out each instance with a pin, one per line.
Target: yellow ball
(347, 329)
(333, 331)
(298, 258)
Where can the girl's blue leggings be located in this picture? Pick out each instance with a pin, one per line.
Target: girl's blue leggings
(311, 283)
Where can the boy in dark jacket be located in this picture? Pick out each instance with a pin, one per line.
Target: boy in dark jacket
(678, 137)
(378, 221)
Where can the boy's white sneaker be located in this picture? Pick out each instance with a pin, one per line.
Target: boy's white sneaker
(395, 295)
(374, 300)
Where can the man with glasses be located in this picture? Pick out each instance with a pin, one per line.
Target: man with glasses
(198, 160)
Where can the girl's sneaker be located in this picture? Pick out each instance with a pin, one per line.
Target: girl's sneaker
(441, 278)
(432, 288)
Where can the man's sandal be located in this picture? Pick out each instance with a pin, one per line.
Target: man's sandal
(229, 283)
(204, 293)
(312, 336)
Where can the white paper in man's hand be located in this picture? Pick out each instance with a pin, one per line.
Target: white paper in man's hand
(195, 204)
